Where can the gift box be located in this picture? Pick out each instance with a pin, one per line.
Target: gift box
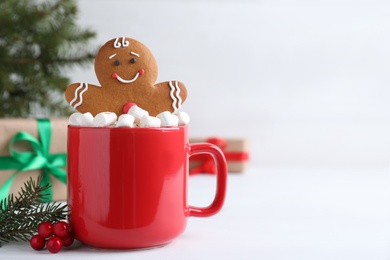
(32, 148)
(236, 151)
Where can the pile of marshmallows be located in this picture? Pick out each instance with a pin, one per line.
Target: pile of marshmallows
(135, 117)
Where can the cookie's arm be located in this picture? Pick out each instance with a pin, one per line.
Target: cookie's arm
(174, 96)
(80, 96)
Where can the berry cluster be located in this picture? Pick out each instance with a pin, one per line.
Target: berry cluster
(54, 236)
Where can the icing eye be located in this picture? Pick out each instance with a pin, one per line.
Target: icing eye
(133, 60)
(117, 62)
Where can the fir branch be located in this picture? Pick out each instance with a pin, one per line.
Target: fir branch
(20, 215)
(39, 42)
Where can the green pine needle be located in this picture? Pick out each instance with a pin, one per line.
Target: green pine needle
(39, 42)
(20, 215)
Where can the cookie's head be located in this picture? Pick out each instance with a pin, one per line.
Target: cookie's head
(125, 62)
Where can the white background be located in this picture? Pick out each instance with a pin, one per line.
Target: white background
(271, 213)
(306, 81)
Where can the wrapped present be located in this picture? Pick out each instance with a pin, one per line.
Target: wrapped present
(236, 152)
(32, 148)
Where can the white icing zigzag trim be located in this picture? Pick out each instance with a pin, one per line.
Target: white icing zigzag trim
(76, 95)
(180, 101)
(176, 99)
(81, 96)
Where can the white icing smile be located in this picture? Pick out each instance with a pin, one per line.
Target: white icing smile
(127, 80)
(116, 76)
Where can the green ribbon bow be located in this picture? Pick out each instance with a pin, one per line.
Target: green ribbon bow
(38, 158)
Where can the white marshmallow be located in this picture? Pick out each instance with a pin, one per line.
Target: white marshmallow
(184, 118)
(85, 119)
(167, 119)
(104, 119)
(73, 119)
(137, 113)
(149, 121)
(125, 120)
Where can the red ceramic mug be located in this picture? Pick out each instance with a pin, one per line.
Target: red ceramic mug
(127, 187)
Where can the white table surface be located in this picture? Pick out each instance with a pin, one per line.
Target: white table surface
(272, 213)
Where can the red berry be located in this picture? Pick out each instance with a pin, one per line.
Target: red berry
(61, 228)
(68, 239)
(45, 229)
(37, 242)
(54, 244)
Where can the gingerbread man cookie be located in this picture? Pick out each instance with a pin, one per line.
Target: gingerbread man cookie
(127, 72)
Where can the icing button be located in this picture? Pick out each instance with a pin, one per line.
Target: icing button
(127, 107)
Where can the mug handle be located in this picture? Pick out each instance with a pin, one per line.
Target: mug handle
(220, 161)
